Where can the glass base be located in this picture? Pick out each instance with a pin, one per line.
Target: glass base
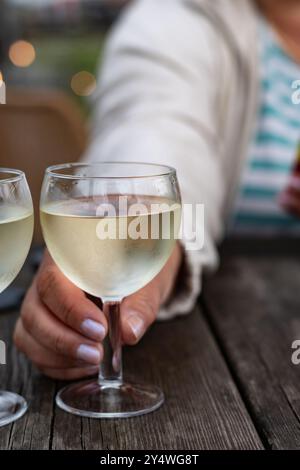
(12, 407)
(89, 399)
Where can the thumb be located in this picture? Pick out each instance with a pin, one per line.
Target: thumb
(138, 312)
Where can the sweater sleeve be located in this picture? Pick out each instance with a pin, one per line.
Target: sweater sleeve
(157, 101)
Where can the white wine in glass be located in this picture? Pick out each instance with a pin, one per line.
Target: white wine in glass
(16, 230)
(110, 228)
(113, 267)
(16, 224)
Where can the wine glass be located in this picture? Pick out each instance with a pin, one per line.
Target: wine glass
(16, 229)
(110, 228)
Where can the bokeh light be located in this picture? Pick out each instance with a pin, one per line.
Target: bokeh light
(83, 83)
(1, 78)
(22, 53)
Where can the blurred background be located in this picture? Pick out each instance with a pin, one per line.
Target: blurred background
(50, 51)
(55, 43)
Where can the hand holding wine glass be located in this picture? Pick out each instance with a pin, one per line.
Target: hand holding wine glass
(110, 228)
(57, 318)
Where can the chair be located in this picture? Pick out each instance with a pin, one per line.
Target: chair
(38, 129)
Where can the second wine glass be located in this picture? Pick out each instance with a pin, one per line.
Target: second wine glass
(110, 228)
(16, 230)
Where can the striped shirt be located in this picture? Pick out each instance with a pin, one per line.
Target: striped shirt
(273, 149)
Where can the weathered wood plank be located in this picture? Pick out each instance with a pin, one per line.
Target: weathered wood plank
(34, 429)
(203, 409)
(253, 306)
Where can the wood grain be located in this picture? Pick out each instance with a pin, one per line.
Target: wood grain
(203, 409)
(253, 307)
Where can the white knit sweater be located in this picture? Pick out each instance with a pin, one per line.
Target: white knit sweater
(179, 86)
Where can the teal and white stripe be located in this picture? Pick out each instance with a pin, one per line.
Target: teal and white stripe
(273, 150)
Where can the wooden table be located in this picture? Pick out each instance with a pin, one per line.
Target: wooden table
(225, 369)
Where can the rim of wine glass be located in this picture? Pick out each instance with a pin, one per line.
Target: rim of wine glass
(52, 170)
(18, 175)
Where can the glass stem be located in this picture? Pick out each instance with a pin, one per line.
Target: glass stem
(111, 374)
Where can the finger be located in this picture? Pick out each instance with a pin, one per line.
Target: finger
(52, 334)
(69, 303)
(69, 374)
(138, 312)
(39, 355)
(141, 309)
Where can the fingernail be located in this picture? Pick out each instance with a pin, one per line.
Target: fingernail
(88, 354)
(137, 325)
(93, 329)
(92, 370)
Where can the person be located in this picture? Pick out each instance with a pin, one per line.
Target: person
(204, 87)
